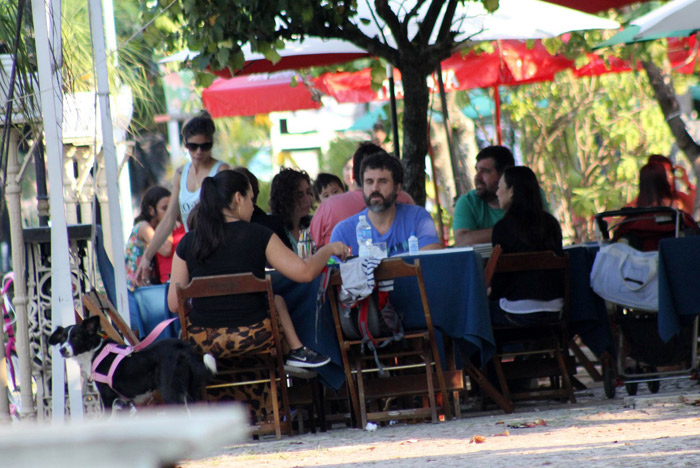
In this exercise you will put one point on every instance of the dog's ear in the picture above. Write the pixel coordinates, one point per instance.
(92, 324)
(57, 336)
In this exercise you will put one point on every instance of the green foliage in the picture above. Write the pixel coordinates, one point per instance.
(339, 151)
(239, 139)
(218, 28)
(26, 56)
(587, 145)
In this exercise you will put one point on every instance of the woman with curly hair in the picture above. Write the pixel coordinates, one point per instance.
(291, 199)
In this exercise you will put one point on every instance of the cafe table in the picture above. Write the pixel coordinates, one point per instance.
(588, 316)
(679, 291)
(454, 281)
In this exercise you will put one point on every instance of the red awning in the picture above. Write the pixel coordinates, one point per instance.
(257, 94)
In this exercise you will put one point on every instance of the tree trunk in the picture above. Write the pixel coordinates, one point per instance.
(666, 96)
(415, 125)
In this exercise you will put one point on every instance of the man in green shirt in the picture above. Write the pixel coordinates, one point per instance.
(477, 211)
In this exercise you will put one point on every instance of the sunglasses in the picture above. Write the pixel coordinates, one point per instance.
(203, 146)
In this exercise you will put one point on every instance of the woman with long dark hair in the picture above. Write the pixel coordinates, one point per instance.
(654, 189)
(153, 208)
(533, 296)
(684, 201)
(225, 242)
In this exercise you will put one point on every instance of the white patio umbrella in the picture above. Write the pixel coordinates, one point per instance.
(514, 19)
(313, 51)
(671, 19)
(678, 18)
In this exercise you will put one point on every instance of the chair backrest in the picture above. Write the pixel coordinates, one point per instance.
(490, 267)
(223, 285)
(392, 268)
(111, 322)
(388, 269)
(643, 228)
(537, 261)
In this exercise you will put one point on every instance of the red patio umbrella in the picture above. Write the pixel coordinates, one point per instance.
(512, 63)
(258, 94)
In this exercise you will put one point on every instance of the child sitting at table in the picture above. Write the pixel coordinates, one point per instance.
(326, 185)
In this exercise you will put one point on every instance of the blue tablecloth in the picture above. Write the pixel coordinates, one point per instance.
(588, 317)
(679, 293)
(454, 283)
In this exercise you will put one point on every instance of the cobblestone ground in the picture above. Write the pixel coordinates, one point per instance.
(646, 430)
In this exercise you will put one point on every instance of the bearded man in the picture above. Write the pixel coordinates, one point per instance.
(478, 211)
(391, 222)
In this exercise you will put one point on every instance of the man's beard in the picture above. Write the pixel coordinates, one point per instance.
(485, 194)
(385, 202)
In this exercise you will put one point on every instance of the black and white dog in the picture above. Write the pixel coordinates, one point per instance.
(170, 366)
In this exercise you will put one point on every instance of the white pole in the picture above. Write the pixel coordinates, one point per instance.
(123, 177)
(46, 30)
(109, 153)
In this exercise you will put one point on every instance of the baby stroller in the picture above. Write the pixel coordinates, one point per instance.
(640, 350)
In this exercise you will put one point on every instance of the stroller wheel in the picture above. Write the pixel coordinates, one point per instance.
(655, 385)
(631, 387)
(609, 381)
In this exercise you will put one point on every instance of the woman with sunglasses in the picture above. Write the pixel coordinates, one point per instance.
(198, 135)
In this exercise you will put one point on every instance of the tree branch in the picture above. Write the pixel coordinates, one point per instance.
(666, 96)
(387, 14)
(428, 23)
(444, 35)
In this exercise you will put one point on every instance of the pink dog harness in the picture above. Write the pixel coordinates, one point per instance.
(122, 352)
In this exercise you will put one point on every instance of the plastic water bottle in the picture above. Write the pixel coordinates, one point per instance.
(413, 244)
(364, 237)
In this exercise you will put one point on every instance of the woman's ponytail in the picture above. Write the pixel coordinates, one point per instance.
(209, 221)
(215, 195)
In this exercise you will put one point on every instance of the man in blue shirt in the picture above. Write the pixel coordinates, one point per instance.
(391, 222)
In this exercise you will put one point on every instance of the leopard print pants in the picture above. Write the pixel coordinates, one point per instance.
(229, 345)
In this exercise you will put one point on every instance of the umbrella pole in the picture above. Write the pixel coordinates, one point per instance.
(394, 118)
(497, 102)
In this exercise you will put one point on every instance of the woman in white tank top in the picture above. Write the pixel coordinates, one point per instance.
(198, 135)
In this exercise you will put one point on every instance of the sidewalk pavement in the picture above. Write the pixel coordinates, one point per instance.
(646, 430)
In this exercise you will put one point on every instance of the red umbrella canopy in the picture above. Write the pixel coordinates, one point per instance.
(512, 63)
(257, 94)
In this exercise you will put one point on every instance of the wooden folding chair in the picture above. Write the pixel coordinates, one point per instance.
(545, 345)
(111, 322)
(272, 361)
(357, 365)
